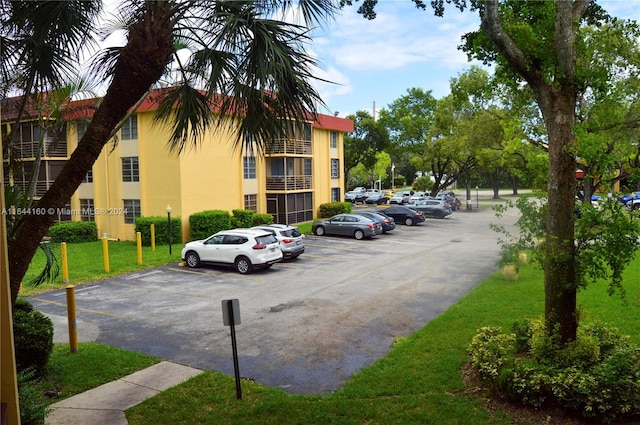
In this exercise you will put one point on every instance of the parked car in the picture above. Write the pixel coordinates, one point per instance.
(377, 198)
(244, 249)
(387, 223)
(358, 226)
(417, 196)
(400, 198)
(438, 208)
(389, 193)
(624, 199)
(451, 199)
(404, 214)
(289, 237)
(356, 195)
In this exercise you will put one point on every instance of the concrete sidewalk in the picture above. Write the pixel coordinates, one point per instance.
(106, 404)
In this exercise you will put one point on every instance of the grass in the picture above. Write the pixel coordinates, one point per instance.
(86, 263)
(91, 366)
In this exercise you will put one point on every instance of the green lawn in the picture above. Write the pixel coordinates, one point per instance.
(86, 263)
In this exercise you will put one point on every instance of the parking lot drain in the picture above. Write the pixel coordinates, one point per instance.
(455, 240)
(285, 306)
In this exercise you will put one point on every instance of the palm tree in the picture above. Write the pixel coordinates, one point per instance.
(245, 59)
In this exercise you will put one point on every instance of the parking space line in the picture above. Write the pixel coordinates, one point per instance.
(86, 310)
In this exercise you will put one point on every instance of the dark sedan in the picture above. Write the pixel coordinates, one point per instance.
(387, 223)
(358, 226)
(406, 215)
(377, 198)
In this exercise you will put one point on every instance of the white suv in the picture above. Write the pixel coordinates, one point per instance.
(244, 249)
(289, 237)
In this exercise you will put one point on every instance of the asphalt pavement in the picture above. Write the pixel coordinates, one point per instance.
(306, 325)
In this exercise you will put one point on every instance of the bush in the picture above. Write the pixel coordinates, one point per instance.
(161, 225)
(33, 337)
(595, 376)
(242, 218)
(206, 223)
(74, 231)
(33, 406)
(333, 208)
(260, 219)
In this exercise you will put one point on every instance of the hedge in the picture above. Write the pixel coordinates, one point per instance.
(74, 231)
(205, 223)
(333, 208)
(143, 225)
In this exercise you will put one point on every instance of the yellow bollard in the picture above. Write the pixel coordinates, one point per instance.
(139, 243)
(105, 254)
(65, 264)
(153, 237)
(71, 317)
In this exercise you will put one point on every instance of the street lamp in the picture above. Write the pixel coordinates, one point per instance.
(168, 209)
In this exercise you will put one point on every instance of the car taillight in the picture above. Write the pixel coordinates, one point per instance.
(259, 246)
(287, 241)
(371, 225)
(387, 221)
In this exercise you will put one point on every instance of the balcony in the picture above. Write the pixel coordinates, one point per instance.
(290, 147)
(289, 182)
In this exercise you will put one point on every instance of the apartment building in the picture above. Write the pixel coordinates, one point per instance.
(139, 176)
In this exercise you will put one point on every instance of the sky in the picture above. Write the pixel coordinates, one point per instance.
(372, 63)
(376, 62)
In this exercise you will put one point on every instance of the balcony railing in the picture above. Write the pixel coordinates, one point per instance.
(291, 147)
(30, 149)
(289, 183)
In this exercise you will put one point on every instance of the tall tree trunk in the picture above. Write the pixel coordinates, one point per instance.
(560, 274)
(141, 64)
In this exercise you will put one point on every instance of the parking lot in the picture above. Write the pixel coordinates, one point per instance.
(307, 324)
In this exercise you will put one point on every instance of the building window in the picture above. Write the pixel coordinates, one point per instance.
(249, 163)
(131, 210)
(307, 167)
(335, 168)
(88, 178)
(335, 194)
(129, 129)
(251, 203)
(87, 212)
(333, 141)
(130, 169)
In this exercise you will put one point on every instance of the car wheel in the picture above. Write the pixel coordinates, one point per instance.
(438, 215)
(408, 221)
(319, 231)
(358, 234)
(243, 265)
(192, 259)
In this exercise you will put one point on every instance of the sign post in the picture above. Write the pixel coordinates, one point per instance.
(231, 317)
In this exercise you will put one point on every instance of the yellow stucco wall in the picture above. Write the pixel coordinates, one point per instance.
(207, 177)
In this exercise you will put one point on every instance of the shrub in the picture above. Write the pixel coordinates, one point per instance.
(595, 376)
(260, 219)
(161, 229)
(74, 231)
(205, 223)
(241, 218)
(33, 406)
(333, 208)
(33, 337)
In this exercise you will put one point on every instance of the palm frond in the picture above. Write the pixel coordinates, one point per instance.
(51, 268)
